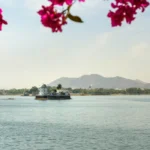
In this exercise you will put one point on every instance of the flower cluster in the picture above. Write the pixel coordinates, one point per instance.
(62, 2)
(126, 10)
(2, 21)
(52, 18)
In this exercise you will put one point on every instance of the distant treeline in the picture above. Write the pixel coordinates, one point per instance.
(11, 92)
(101, 91)
(98, 91)
(34, 90)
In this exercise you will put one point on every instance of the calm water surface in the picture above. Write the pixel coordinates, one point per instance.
(83, 123)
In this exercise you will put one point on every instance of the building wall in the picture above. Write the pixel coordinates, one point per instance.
(43, 91)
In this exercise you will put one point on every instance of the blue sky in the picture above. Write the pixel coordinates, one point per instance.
(32, 55)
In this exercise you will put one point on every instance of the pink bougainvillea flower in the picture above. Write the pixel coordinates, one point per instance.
(61, 2)
(51, 18)
(2, 21)
(126, 10)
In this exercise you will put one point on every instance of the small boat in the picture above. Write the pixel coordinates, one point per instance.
(10, 98)
(7, 99)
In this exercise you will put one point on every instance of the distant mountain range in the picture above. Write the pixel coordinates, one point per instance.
(98, 81)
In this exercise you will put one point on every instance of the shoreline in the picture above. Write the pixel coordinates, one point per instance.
(87, 95)
(113, 95)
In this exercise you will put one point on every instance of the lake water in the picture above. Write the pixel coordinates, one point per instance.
(83, 123)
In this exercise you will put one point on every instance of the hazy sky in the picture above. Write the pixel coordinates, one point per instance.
(31, 55)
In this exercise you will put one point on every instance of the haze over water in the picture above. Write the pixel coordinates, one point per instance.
(83, 123)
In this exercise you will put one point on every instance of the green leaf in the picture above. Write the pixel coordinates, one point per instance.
(75, 18)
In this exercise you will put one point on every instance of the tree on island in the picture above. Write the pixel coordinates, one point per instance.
(34, 90)
(44, 86)
(59, 87)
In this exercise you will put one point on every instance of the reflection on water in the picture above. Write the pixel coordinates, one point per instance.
(83, 123)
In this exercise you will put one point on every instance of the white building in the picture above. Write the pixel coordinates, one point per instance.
(43, 90)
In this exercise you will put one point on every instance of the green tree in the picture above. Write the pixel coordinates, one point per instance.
(44, 86)
(59, 86)
(34, 90)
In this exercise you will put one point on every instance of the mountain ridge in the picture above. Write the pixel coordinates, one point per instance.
(98, 81)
